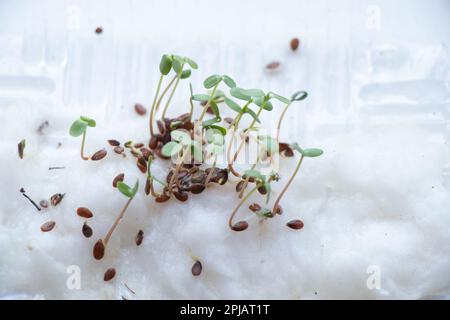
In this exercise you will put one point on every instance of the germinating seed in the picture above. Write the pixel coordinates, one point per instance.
(87, 231)
(84, 212)
(100, 154)
(109, 274)
(140, 109)
(48, 226)
(99, 250)
(118, 178)
(146, 153)
(113, 143)
(295, 224)
(196, 268)
(139, 237)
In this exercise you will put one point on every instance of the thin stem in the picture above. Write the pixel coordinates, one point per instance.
(170, 97)
(211, 98)
(116, 223)
(152, 110)
(208, 177)
(191, 110)
(177, 169)
(287, 185)
(164, 92)
(247, 179)
(230, 220)
(281, 119)
(83, 140)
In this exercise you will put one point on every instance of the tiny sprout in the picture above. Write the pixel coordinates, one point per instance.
(78, 128)
(309, 153)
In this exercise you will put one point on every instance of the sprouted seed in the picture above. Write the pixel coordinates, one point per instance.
(79, 128)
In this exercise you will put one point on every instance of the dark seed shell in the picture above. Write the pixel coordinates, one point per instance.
(197, 188)
(86, 230)
(161, 126)
(196, 268)
(254, 207)
(56, 198)
(140, 109)
(162, 198)
(153, 143)
(113, 143)
(278, 210)
(138, 145)
(295, 224)
(262, 190)
(288, 153)
(147, 187)
(43, 204)
(240, 226)
(240, 185)
(119, 149)
(109, 274)
(48, 226)
(142, 164)
(84, 212)
(118, 178)
(295, 42)
(139, 237)
(282, 146)
(100, 154)
(99, 250)
(181, 195)
(273, 65)
(146, 153)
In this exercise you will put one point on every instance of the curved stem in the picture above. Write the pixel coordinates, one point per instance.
(166, 89)
(116, 223)
(208, 177)
(230, 220)
(287, 185)
(281, 119)
(152, 110)
(177, 169)
(83, 140)
(170, 97)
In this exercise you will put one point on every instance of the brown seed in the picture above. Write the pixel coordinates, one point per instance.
(254, 207)
(100, 154)
(282, 146)
(240, 226)
(147, 187)
(139, 237)
(153, 142)
(84, 212)
(209, 110)
(140, 109)
(278, 209)
(240, 185)
(99, 250)
(295, 42)
(109, 274)
(197, 188)
(56, 198)
(146, 153)
(118, 178)
(43, 204)
(228, 120)
(181, 195)
(162, 198)
(113, 143)
(48, 226)
(21, 148)
(295, 224)
(288, 153)
(161, 127)
(87, 231)
(262, 190)
(273, 65)
(196, 268)
(141, 164)
(138, 145)
(98, 30)
(119, 149)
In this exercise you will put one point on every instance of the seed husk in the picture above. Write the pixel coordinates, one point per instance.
(113, 143)
(56, 198)
(109, 274)
(295, 224)
(100, 154)
(295, 42)
(240, 185)
(273, 65)
(142, 164)
(288, 153)
(262, 190)
(21, 148)
(84, 212)
(162, 198)
(140, 109)
(196, 268)
(119, 149)
(118, 178)
(161, 127)
(87, 230)
(254, 207)
(240, 226)
(197, 188)
(138, 145)
(48, 226)
(278, 210)
(139, 237)
(99, 250)
(181, 195)
(43, 204)
(146, 153)
(153, 143)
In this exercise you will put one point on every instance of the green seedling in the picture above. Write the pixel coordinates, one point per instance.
(79, 128)
(298, 96)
